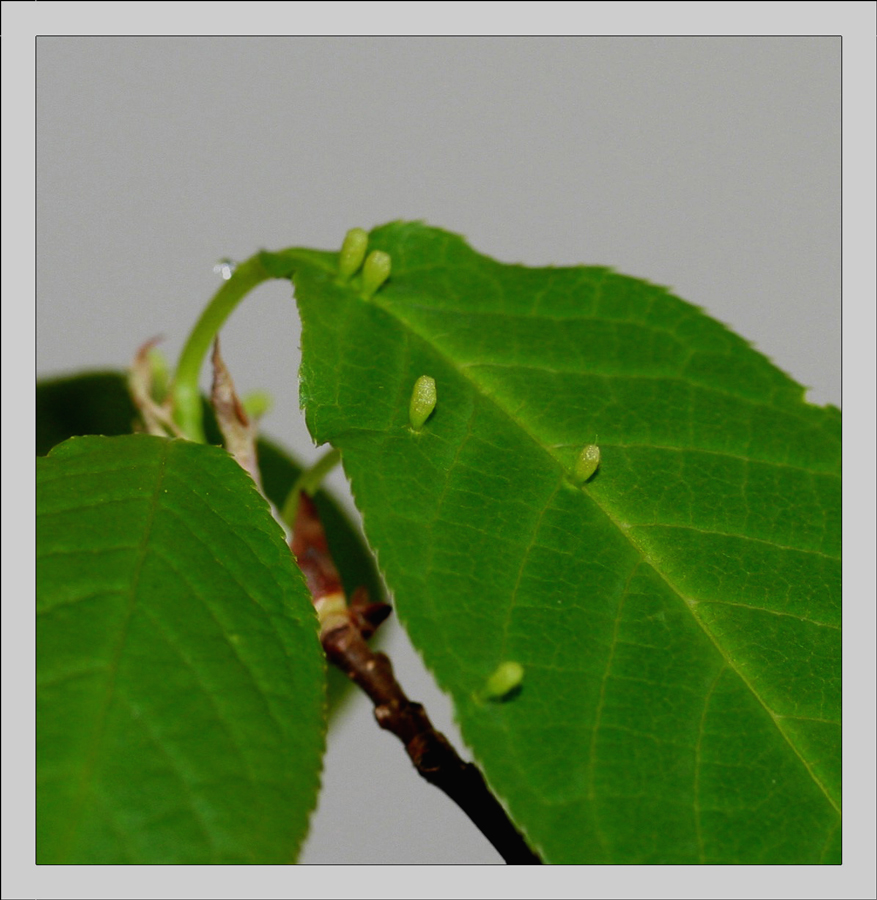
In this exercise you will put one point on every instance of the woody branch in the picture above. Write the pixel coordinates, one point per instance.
(344, 630)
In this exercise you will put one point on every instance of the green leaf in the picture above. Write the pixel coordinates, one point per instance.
(180, 682)
(98, 403)
(88, 403)
(676, 617)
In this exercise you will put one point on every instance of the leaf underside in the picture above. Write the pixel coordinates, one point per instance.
(180, 684)
(677, 617)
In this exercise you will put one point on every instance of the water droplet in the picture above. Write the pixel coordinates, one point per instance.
(224, 268)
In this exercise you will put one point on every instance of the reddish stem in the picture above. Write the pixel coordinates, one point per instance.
(343, 632)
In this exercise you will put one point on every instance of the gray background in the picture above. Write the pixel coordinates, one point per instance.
(710, 165)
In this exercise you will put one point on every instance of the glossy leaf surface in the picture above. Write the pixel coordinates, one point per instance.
(677, 616)
(180, 679)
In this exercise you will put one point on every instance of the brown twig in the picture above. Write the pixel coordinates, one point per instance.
(343, 633)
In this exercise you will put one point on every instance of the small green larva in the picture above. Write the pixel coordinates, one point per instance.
(375, 271)
(587, 463)
(503, 681)
(423, 400)
(352, 253)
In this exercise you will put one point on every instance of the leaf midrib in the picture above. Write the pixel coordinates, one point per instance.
(113, 668)
(688, 603)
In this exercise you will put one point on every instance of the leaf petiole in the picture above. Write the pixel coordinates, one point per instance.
(186, 395)
(309, 481)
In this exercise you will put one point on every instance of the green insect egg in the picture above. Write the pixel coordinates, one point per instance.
(586, 464)
(375, 271)
(423, 400)
(352, 252)
(505, 679)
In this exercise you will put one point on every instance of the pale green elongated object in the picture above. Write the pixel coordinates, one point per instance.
(507, 676)
(375, 271)
(423, 400)
(587, 463)
(352, 253)
(308, 481)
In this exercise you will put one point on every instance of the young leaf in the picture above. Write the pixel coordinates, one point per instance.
(678, 620)
(179, 676)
